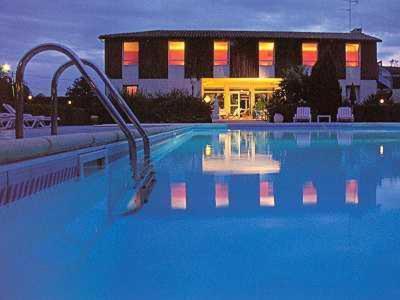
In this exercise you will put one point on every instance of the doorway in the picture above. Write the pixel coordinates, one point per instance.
(240, 104)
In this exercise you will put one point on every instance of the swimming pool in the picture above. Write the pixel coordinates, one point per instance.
(237, 212)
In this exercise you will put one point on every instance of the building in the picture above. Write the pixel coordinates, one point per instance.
(389, 80)
(237, 67)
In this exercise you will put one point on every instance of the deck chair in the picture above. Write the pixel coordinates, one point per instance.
(344, 114)
(7, 121)
(30, 121)
(303, 114)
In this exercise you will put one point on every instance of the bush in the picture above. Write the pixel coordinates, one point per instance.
(173, 107)
(376, 112)
(68, 114)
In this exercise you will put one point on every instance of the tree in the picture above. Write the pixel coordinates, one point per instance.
(81, 94)
(325, 91)
(294, 85)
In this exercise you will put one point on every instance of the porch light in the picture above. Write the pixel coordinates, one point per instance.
(207, 99)
(69, 102)
(6, 68)
(381, 101)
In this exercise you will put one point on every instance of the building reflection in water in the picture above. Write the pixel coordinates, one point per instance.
(309, 194)
(237, 155)
(352, 191)
(178, 195)
(230, 155)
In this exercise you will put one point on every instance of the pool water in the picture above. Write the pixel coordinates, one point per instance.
(234, 214)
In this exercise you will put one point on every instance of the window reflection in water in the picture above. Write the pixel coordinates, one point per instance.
(266, 193)
(178, 195)
(352, 191)
(309, 194)
(221, 194)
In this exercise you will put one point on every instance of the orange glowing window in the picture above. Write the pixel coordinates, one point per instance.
(178, 195)
(221, 50)
(352, 55)
(221, 195)
(266, 53)
(352, 191)
(131, 53)
(310, 54)
(266, 194)
(131, 90)
(176, 53)
(309, 194)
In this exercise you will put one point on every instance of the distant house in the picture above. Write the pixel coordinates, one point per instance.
(237, 67)
(389, 79)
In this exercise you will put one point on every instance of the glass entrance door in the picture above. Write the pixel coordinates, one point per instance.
(240, 104)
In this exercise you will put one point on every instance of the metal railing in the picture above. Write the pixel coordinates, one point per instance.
(107, 103)
(115, 97)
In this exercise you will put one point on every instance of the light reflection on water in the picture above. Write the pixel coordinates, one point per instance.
(233, 215)
(277, 169)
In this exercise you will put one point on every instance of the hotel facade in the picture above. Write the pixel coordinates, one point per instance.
(237, 67)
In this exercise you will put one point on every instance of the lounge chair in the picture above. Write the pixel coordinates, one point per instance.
(30, 121)
(7, 121)
(303, 114)
(344, 114)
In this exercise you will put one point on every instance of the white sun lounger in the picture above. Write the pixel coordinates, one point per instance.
(302, 114)
(30, 121)
(344, 114)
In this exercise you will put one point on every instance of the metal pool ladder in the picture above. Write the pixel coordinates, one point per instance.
(112, 101)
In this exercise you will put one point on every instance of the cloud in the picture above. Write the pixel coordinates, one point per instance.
(25, 23)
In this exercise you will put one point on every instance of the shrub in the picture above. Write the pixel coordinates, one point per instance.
(173, 107)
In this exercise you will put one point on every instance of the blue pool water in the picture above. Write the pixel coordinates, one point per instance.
(234, 214)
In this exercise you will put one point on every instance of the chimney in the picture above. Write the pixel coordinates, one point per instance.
(357, 30)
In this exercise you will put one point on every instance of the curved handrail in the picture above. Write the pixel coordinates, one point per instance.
(116, 97)
(19, 129)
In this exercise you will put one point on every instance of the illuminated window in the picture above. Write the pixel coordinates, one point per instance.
(131, 89)
(131, 53)
(176, 53)
(352, 55)
(310, 54)
(221, 50)
(266, 53)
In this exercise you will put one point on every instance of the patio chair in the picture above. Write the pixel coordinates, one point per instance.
(303, 114)
(30, 121)
(344, 114)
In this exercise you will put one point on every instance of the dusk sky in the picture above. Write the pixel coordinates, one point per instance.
(26, 23)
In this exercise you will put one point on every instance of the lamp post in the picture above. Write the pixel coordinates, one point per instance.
(6, 69)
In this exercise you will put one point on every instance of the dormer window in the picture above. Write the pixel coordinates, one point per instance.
(221, 56)
(266, 53)
(176, 53)
(310, 54)
(352, 55)
(131, 53)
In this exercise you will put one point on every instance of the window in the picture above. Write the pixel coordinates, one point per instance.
(310, 54)
(131, 90)
(131, 53)
(221, 53)
(352, 55)
(176, 53)
(266, 53)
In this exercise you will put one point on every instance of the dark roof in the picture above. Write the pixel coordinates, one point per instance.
(227, 34)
